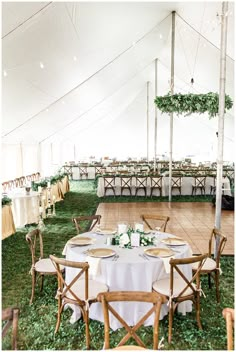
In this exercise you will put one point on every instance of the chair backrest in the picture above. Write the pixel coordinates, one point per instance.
(141, 181)
(10, 316)
(80, 220)
(33, 237)
(109, 181)
(200, 181)
(131, 296)
(219, 240)
(65, 290)
(156, 181)
(228, 314)
(126, 181)
(175, 268)
(157, 222)
(176, 181)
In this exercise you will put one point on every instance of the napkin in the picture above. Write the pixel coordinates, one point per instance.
(94, 266)
(167, 264)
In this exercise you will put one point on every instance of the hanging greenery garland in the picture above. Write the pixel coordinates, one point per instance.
(192, 103)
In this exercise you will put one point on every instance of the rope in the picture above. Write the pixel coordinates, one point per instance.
(199, 39)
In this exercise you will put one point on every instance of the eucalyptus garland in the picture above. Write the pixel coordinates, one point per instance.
(191, 103)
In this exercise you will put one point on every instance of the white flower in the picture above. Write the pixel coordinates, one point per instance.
(124, 239)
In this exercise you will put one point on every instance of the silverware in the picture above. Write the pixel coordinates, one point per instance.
(143, 256)
(116, 256)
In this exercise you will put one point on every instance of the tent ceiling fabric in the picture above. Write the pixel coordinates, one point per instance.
(73, 69)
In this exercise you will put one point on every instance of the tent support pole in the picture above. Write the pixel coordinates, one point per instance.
(148, 121)
(172, 91)
(155, 131)
(21, 161)
(223, 45)
(39, 158)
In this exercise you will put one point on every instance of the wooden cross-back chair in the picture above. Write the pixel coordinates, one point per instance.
(156, 184)
(199, 183)
(211, 266)
(99, 170)
(106, 298)
(155, 222)
(126, 184)
(40, 266)
(228, 314)
(10, 316)
(79, 291)
(178, 288)
(176, 183)
(141, 185)
(83, 171)
(109, 184)
(92, 219)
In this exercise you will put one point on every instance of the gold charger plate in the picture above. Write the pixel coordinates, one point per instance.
(106, 231)
(81, 241)
(101, 252)
(174, 241)
(159, 252)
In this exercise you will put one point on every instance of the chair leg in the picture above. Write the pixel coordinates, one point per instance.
(86, 320)
(60, 307)
(198, 311)
(209, 280)
(33, 286)
(171, 314)
(41, 282)
(217, 286)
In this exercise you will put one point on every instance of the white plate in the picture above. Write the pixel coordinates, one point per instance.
(101, 252)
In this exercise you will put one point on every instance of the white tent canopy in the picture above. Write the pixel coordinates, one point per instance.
(74, 80)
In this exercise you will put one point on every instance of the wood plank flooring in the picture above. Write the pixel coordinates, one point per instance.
(191, 221)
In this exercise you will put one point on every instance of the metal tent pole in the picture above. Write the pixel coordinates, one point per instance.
(148, 121)
(172, 91)
(155, 131)
(223, 44)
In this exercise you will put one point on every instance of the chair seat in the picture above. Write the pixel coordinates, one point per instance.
(95, 288)
(45, 266)
(209, 264)
(163, 287)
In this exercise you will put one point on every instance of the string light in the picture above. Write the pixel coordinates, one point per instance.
(160, 36)
(63, 102)
(75, 58)
(47, 110)
(41, 65)
(5, 73)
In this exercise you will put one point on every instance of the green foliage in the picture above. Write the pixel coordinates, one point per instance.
(53, 180)
(191, 103)
(6, 201)
(37, 321)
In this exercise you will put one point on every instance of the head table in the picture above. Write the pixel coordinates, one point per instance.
(128, 271)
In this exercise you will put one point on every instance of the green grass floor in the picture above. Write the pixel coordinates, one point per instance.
(37, 322)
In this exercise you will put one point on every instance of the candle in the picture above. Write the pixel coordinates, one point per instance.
(39, 189)
(122, 228)
(49, 184)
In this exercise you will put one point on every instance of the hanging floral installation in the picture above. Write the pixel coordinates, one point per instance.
(191, 103)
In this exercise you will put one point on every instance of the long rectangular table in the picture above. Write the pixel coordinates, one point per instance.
(186, 188)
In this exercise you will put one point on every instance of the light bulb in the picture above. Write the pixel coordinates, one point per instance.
(74, 58)
(5, 73)
(41, 65)
(160, 36)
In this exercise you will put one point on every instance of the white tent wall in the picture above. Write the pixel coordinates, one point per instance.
(77, 75)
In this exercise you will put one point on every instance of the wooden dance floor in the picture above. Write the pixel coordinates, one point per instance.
(191, 221)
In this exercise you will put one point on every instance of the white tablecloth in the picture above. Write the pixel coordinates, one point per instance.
(130, 272)
(25, 208)
(186, 188)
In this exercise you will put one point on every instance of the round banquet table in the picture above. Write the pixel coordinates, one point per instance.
(130, 272)
(25, 208)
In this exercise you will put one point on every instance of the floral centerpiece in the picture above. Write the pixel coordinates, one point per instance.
(124, 239)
